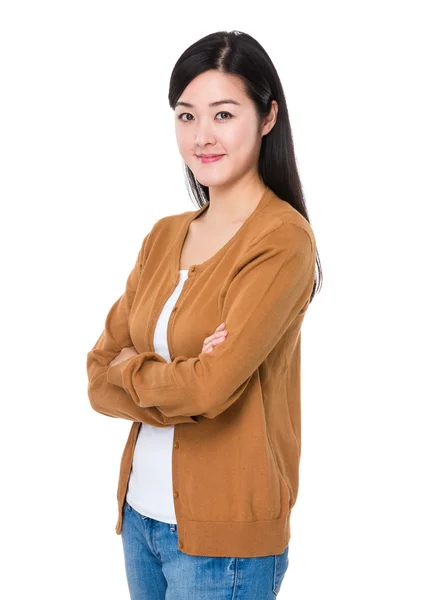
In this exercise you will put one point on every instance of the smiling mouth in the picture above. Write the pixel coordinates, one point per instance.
(210, 158)
(208, 155)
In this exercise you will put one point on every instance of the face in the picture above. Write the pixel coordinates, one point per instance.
(228, 129)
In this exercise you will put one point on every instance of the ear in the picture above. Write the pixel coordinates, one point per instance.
(270, 120)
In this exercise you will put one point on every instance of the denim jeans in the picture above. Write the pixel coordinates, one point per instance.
(157, 570)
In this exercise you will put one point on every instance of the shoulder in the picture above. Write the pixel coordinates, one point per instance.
(171, 222)
(282, 226)
(164, 230)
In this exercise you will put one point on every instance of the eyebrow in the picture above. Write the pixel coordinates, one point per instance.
(217, 103)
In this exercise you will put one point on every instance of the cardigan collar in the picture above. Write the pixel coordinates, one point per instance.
(179, 241)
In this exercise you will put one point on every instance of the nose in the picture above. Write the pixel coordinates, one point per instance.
(204, 134)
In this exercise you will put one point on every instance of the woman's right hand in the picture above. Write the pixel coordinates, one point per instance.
(216, 338)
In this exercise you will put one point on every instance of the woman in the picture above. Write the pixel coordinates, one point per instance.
(202, 350)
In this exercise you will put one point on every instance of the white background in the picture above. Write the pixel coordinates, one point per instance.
(89, 162)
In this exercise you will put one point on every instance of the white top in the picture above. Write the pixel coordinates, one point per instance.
(150, 489)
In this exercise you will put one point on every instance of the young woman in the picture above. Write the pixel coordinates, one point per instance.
(202, 350)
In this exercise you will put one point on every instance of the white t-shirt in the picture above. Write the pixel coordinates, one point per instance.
(150, 489)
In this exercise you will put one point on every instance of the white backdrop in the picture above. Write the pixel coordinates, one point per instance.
(89, 162)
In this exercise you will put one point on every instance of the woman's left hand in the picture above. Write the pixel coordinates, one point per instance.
(124, 354)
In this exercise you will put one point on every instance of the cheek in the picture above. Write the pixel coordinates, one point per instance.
(239, 138)
(187, 148)
(182, 140)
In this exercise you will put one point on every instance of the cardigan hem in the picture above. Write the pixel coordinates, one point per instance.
(241, 539)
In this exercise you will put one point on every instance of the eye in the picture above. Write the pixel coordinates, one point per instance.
(180, 116)
(222, 112)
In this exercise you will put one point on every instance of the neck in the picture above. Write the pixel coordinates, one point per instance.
(234, 203)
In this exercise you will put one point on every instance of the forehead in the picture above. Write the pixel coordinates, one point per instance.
(211, 87)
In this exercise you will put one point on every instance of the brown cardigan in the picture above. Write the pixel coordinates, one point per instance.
(236, 410)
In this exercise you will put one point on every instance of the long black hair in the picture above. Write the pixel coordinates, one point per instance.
(240, 54)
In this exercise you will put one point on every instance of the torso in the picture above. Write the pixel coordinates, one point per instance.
(202, 242)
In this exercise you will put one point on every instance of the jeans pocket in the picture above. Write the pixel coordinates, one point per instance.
(280, 566)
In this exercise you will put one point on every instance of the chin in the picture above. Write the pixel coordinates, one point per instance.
(212, 183)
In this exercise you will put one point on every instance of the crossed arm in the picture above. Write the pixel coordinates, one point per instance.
(272, 285)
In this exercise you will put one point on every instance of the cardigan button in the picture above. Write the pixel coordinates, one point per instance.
(180, 545)
(175, 494)
(176, 444)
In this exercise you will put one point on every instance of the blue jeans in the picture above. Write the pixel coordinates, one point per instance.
(157, 570)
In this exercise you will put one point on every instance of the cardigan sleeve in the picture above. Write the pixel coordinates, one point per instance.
(109, 399)
(271, 286)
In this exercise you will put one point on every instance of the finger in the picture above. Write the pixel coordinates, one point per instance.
(206, 347)
(215, 336)
(220, 328)
(213, 342)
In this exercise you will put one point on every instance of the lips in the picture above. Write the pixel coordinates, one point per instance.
(209, 158)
